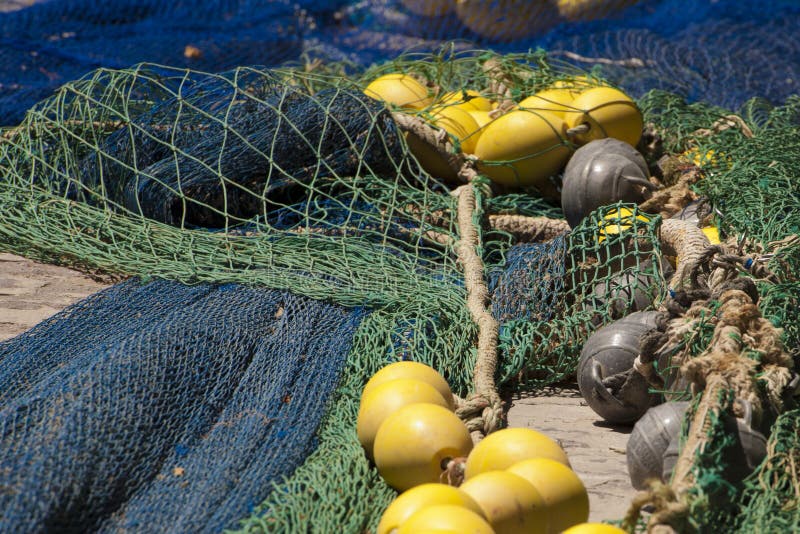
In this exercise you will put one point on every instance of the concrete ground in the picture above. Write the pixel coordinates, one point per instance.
(31, 292)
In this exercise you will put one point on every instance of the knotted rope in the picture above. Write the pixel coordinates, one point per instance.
(723, 367)
(482, 411)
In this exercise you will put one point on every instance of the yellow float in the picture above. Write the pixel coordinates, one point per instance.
(523, 148)
(400, 90)
(386, 399)
(419, 497)
(468, 100)
(458, 122)
(414, 444)
(510, 503)
(563, 493)
(594, 528)
(557, 101)
(502, 449)
(446, 518)
(415, 371)
(607, 112)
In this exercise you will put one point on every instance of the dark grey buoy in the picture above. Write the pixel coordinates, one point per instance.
(602, 172)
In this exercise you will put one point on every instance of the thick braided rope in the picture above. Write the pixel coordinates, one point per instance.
(482, 410)
(722, 367)
(685, 241)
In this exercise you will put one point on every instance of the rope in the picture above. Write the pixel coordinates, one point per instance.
(500, 86)
(482, 411)
(724, 366)
(688, 243)
(529, 229)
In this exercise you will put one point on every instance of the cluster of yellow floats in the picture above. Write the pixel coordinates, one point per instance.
(526, 144)
(514, 19)
(516, 480)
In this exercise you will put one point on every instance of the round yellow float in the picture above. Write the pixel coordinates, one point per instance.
(447, 518)
(414, 444)
(557, 101)
(617, 221)
(386, 399)
(413, 370)
(563, 493)
(594, 528)
(608, 112)
(459, 123)
(419, 497)
(482, 118)
(510, 503)
(468, 100)
(502, 449)
(399, 90)
(523, 148)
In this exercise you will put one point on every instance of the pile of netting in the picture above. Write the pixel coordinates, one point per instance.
(720, 51)
(299, 246)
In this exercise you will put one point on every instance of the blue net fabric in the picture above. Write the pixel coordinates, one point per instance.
(161, 406)
(530, 285)
(721, 51)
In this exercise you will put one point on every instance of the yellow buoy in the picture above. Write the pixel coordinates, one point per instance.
(506, 20)
(593, 528)
(586, 10)
(468, 100)
(400, 90)
(419, 497)
(458, 123)
(712, 233)
(414, 370)
(386, 399)
(429, 8)
(502, 449)
(617, 221)
(607, 112)
(481, 117)
(523, 148)
(563, 493)
(414, 444)
(576, 83)
(511, 504)
(429, 159)
(557, 101)
(447, 518)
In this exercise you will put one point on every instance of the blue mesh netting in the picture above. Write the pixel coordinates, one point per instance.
(163, 406)
(723, 51)
(530, 284)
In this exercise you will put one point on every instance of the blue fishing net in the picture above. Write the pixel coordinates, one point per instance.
(722, 51)
(163, 407)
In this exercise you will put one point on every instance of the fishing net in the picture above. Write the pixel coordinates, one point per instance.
(287, 242)
(163, 404)
(720, 51)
